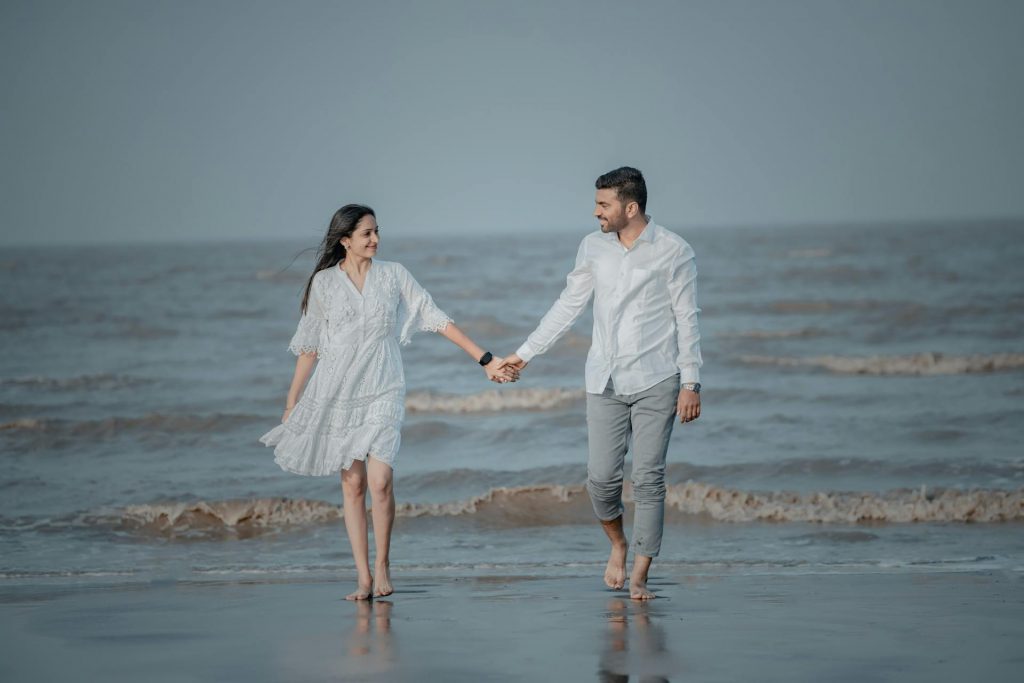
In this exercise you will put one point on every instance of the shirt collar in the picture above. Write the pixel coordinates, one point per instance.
(648, 234)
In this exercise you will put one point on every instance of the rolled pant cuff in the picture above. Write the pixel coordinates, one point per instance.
(638, 549)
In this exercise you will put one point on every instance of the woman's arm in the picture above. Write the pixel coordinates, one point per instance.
(495, 371)
(303, 368)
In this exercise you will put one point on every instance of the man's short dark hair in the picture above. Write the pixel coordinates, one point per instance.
(628, 184)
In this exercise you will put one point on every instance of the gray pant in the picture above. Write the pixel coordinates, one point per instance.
(612, 419)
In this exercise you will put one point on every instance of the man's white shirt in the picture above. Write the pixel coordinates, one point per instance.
(645, 310)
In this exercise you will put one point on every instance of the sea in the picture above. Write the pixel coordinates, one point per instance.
(863, 411)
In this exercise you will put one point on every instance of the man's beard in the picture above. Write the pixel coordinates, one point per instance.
(615, 226)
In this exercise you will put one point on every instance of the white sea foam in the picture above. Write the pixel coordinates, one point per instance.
(494, 400)
(556, 504)
(914, 364)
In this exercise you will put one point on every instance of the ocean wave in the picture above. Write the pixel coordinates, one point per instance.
(489, 327)
(112, 426)
(801, 333)
(494, 400)
(426, 431)
(844, 507)
(921, 470)
(914, 364)
(557, 504)
(214, 518)
(836, 274)
(104, 382)
(809, 253)
(962, 470)
(292, 276)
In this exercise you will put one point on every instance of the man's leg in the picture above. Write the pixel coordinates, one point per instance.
(608, 430)
(652, 416)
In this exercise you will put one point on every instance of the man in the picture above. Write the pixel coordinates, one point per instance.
(643, 366)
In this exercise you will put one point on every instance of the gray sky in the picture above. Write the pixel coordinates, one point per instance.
(178, 120)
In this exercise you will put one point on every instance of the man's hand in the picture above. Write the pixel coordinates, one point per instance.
(688, 406)
(499, 370)
(512, 360)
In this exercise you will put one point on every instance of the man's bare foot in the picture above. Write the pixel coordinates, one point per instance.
(638, 586)
(382, 586)
(615, 572)
(362, 591)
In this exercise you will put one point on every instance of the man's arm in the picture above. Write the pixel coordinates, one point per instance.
(579, 285)
(682, 285)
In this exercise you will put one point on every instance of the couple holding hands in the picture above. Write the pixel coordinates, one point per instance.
(346, 402)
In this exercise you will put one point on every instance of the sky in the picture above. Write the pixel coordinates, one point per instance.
(220, 120)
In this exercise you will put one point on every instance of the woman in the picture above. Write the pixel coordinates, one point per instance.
(355, 312)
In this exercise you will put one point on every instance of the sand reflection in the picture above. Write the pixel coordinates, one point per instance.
(371, 644)
(635, 644)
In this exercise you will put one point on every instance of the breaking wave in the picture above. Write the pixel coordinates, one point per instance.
(915, 364)
(844, 507)
(492, 401)
(554, 505)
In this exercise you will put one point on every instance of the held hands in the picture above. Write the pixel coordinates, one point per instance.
(688, 406)
(509, 367)
(499, 371)
(514, 361)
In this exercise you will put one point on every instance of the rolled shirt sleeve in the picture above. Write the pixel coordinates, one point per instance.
(579, 286)
(682, 285)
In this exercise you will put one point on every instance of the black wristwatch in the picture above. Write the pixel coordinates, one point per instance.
(486, 358)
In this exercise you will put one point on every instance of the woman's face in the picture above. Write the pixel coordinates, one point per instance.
(365, 239)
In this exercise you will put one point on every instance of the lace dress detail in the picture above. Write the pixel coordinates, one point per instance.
(354, 403)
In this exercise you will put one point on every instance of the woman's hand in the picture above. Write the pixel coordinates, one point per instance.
(498, 372)
(287, 412)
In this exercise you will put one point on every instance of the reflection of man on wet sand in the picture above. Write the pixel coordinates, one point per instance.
(643, 365)
(647, 657)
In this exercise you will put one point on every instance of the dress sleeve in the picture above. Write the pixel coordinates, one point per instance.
(307, 338)
(418, 311)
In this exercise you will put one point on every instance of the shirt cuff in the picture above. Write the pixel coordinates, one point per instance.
(688, 374)
(525, 352)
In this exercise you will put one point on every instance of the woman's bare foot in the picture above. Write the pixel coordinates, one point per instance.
(615, 572)
(638, 586)
(382, 586)
(362, 591)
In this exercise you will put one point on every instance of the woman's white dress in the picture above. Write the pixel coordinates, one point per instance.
(354, 403)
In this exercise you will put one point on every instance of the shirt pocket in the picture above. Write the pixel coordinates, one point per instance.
(642, 278)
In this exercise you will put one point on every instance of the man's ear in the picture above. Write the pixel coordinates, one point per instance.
(632, 209)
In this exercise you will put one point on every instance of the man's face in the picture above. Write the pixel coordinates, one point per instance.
(609, 211)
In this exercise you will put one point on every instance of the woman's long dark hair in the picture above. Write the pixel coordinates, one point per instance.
(331, 252)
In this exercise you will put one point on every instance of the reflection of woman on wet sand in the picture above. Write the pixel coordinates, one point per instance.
(365, 638)
(348, 418)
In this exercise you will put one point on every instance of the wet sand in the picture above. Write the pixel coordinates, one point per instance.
(779, 627)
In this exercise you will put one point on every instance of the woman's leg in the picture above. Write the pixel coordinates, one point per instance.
(353, 488)
(382, 495)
